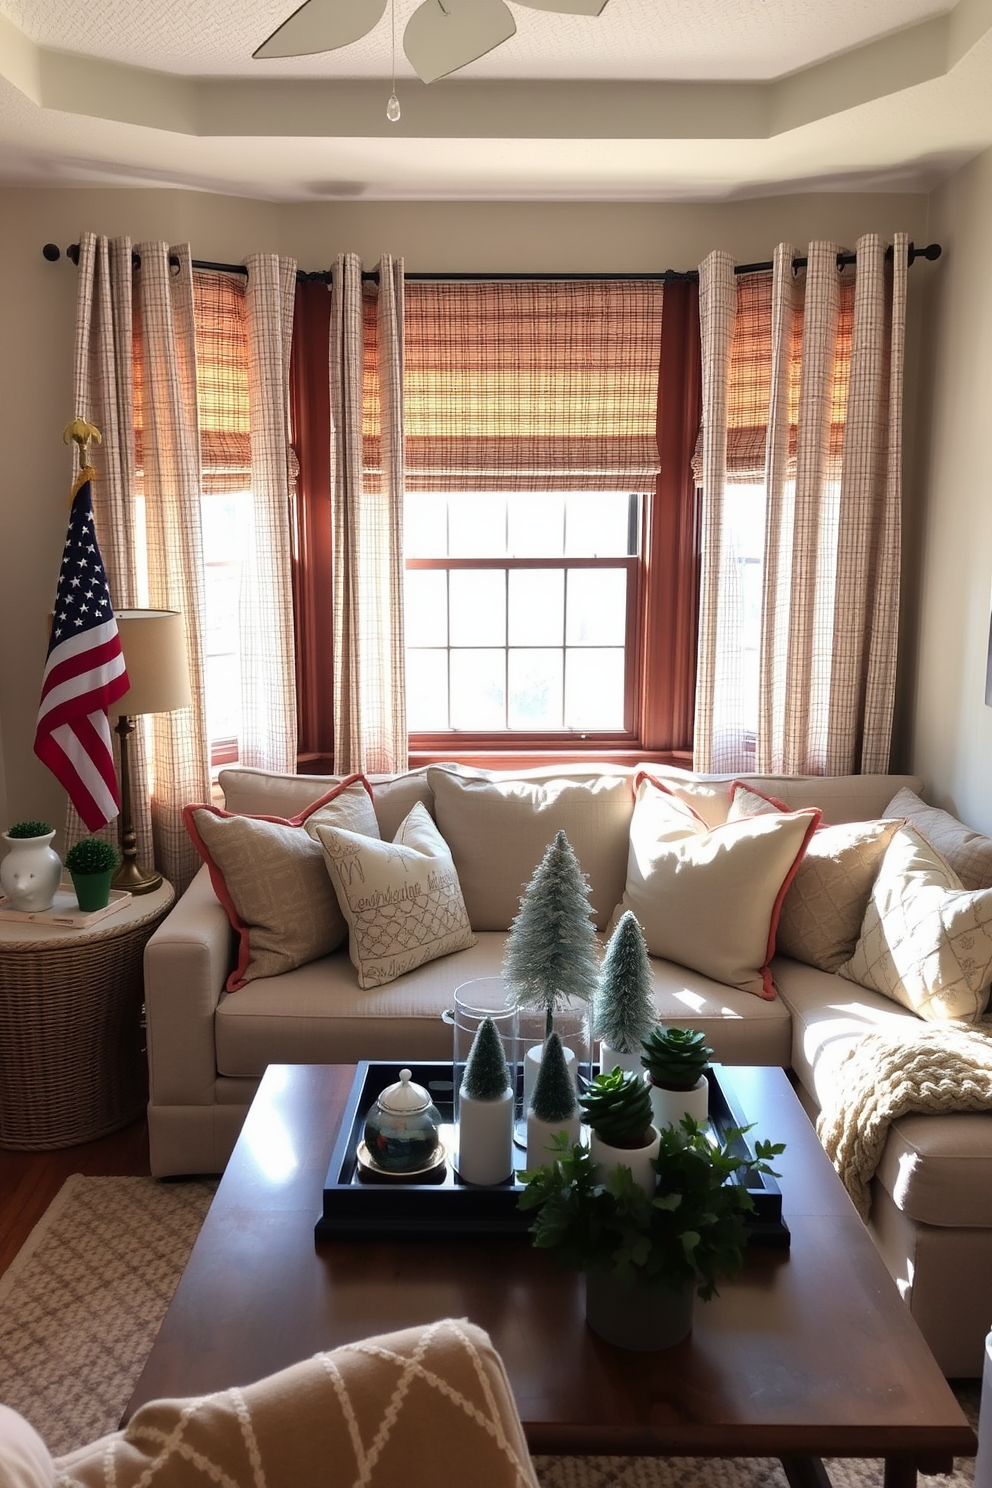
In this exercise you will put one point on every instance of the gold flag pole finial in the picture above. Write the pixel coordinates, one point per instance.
(81, 433)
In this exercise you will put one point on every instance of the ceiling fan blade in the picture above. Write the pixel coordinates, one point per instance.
(443, 35)
(321, 26)
(567, 7)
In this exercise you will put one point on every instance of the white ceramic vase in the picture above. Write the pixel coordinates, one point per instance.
(610, 1058)
(541, 1134)
(669, 1106)
(31, 872)
(637, 1159)
(485, 1138)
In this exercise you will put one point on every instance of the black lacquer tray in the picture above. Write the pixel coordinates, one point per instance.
(354, 1208)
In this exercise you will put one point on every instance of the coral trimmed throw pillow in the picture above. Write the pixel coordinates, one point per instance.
(709, 898)
(401, 899)
(926, 942)
(268, 872)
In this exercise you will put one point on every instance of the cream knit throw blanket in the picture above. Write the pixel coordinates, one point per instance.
(884, 1076)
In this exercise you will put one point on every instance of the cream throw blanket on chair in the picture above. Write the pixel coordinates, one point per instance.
(933, 1069)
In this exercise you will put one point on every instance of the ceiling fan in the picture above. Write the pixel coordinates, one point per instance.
(440, 36)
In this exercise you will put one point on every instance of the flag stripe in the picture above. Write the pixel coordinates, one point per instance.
(84, 674)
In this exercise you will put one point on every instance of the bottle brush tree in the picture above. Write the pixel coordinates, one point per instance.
(487, 1074)
(623, 1005)
(554, 1094)
(551, 948)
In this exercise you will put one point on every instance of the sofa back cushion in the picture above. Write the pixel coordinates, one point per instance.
(498, 826)
(841, 798)
(270, 793)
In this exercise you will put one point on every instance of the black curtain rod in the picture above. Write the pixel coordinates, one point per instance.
(53, 253)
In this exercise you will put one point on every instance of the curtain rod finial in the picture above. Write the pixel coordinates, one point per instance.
(52, 252)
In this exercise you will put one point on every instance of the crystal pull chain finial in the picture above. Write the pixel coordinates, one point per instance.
(393, 106)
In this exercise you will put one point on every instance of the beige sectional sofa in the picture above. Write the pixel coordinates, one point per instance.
(931, 1212)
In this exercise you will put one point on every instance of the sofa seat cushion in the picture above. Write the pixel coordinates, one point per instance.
(498, 827)
(938, 1169)
(828, 1015)
(739, 1027)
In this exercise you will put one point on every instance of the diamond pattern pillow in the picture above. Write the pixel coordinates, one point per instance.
(967, 852)
(925, 942)
(268, 872)
(401, 899)
(826, 901)
(709, 898)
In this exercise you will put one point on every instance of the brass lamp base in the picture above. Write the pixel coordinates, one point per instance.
(129, 875)
(134, 879)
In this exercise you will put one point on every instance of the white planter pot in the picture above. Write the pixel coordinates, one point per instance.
(31, 872)
(637, 1159)
(610, 1058)
(637, 1316)
(485, 1138)
(669, 1106)
(540, 1135)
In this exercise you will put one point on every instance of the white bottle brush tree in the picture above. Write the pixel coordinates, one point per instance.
(623, 1005)
(551, 948)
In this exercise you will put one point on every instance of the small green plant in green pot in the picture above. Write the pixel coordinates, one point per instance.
(648, 1255)
(617, 1108)
(675, 1060)
(91, 863)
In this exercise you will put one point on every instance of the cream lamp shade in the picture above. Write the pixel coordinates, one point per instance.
(154, 646)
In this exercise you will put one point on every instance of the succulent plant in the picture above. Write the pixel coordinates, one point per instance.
(675, 1057)
(29, 829)
(487, 1074)
(554, 1094)
(92, 855)
(617, 1106)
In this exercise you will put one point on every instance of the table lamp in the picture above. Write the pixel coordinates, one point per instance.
(154, 646)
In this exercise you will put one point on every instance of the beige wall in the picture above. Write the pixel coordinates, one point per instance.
(36, 330)
(950, 726)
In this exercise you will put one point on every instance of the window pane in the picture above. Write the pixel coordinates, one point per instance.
(535, 524)
(535, 689)
(477, 526)
(537, 606)
(478, 606)
(427, 690)
(594, 688)
(596, 611)
(223, 697)
(596, 524)
(426, 607)
(425, 525)
(478, 689)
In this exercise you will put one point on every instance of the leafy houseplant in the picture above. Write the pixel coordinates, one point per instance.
(642, 1250)
(24, 829)
(91, 862)
(623, 1005)
(676, 1061)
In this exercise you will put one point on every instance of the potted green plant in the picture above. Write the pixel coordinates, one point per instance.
(91, 863)
(648, 1255)
(31, 871)
(675, 1061)
(617, 1109)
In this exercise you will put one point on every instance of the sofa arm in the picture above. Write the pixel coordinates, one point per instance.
(187, 962)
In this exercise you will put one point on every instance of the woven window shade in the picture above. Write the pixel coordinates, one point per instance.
(544, 386)
(749, 387)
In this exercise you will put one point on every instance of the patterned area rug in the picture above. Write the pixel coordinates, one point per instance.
(80, 1307)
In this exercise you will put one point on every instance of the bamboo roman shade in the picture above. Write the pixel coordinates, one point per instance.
(533, 385)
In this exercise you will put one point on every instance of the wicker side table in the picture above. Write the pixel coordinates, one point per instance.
(72, 1060)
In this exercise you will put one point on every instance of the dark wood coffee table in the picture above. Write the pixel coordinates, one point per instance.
(811, 1353)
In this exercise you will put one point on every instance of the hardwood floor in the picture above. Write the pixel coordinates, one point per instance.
(29, 1181)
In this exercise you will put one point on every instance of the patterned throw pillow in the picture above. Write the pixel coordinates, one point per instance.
(709, 898)
(968, 853)
(268, 872)
(925, 942)
(826, 901)
(401, 899)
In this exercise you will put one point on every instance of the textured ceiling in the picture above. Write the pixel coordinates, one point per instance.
(652, 100)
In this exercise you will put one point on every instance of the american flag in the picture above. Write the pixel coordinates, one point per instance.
(84, 674)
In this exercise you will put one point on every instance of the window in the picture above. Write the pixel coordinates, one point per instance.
(521, 612)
